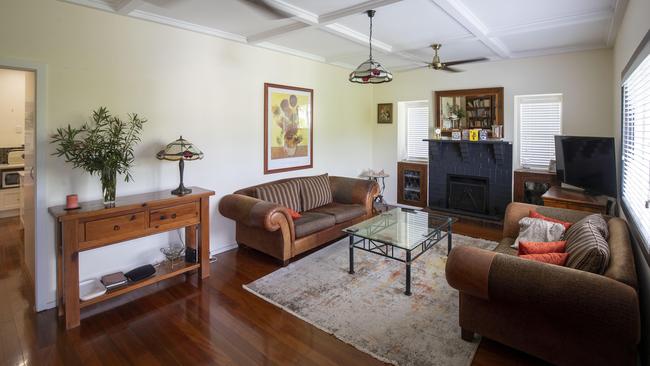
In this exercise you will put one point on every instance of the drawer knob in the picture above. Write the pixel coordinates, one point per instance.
(116, 227)
(162, 217)
(132, 217)
(173, 216)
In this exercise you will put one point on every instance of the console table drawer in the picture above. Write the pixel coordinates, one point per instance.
(174, 214)
(119, 225)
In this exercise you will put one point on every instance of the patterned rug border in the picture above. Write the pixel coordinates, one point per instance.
(342, 339)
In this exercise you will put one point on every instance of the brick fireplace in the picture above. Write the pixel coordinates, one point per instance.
(471, 178)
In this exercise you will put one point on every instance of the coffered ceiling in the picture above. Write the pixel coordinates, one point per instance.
(336, 31)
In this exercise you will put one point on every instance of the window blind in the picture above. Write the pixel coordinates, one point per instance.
(540, 119)
(635, 174)
(417, 129)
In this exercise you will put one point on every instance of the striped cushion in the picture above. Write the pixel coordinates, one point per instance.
(286, 194)
(315, 191)
(588, 250)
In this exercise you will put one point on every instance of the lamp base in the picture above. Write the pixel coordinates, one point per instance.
(181, 191)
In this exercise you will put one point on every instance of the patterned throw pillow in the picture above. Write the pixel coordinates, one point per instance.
(534, 214)
(551, 258)
(538, 230)
(587, 247)
(315, 191)
(531, 247)
(286, 194)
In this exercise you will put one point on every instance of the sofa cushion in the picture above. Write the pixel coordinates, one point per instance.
(596, 220)
(588, 250)
(342, 212)
(538, 230)
(551, 258)
(531, 247)
(536, 215)
(311, 222)
(315, 191)
(286, 194)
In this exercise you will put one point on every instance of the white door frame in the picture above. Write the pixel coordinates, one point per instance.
(41, 220)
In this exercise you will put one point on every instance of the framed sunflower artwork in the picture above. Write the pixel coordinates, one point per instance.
(288, 128)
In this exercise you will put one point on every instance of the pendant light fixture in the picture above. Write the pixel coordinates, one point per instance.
(370, 71)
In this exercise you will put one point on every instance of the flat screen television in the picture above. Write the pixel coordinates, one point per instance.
(587, 162)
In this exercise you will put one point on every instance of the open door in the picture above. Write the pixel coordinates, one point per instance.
(28, 202)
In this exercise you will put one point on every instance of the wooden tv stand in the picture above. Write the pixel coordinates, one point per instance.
(560, 197)
(93, 226)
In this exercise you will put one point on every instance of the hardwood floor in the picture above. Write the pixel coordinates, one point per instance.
(180, 322)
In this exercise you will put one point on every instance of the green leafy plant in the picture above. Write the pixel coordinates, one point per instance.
(455, 111)
(103, 146)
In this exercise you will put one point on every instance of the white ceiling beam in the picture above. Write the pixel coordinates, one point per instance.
(291, 51)
(466, 18)
(552, 23)
(356, 37)
(127, 6)
(299, 14)
(615, 24)
(354, 9)
(556, 50)
(276, 32)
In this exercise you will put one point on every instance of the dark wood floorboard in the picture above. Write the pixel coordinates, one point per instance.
(182, 322)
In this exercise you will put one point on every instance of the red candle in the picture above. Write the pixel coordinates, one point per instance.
(71, 201)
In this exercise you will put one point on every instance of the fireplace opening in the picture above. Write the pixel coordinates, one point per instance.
(467, 193)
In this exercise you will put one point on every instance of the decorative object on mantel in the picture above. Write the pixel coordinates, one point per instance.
(473, 134)
(370, 71)
(288, 128)
(465, 134)
(438, 134)
(455, 135)
(480, 108)
(483, 135)
(180, 150)
(385, 113)
(103, 147)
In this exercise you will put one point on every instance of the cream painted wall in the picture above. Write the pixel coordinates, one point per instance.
(207, 89)
(12, 108)
(584, 79)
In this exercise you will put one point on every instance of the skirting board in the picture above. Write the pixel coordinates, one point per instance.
(223, 249)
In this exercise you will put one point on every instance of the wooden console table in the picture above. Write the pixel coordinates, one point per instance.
(575, 200)
(93, 226)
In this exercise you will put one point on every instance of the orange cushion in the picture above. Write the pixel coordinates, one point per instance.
(535, 215)
(532, 247)
(551, 258)
(294, 214)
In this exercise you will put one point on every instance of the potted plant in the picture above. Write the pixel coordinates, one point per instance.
(103, 146)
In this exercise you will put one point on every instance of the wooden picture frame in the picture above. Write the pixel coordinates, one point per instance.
(288, 128)
(385, 113)
(493, 108)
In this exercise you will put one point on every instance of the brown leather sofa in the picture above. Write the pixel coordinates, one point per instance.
(269, 228)
(559, 314)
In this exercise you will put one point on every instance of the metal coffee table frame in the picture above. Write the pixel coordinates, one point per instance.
(387, 249)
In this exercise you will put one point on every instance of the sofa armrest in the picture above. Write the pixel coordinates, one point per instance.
(354, 190)
(254, 212)
(515, 212)
(559, 294)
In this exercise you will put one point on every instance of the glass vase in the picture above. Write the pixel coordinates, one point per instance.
(109, 183)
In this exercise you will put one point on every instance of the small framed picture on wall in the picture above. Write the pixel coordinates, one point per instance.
(385, 113)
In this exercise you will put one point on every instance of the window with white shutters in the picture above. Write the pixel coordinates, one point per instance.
(417, 129)
(540, 119)
(635, 140)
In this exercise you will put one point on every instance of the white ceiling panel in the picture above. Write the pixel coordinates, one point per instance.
(230, 16)
(318, 42)
(321, 7)
(503, 13)
(579, 35)
(336, 31)
(408, 24)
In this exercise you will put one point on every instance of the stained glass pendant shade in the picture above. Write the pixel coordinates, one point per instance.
(370, 71)
(180, 150)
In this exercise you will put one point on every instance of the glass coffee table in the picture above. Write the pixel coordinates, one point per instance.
(400, 234)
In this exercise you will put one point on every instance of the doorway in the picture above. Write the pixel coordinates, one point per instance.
(17, 167)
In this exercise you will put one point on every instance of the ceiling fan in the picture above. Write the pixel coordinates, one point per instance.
(437, 65)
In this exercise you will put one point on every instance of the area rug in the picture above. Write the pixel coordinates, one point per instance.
(369, 310)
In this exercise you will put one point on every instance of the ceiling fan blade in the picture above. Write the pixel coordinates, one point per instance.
(450, 69)
(465, 61)
(267, 8)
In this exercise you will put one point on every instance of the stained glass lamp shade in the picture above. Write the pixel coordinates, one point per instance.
(180, 150)
(370, 71)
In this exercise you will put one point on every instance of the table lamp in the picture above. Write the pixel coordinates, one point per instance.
(180, 150)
